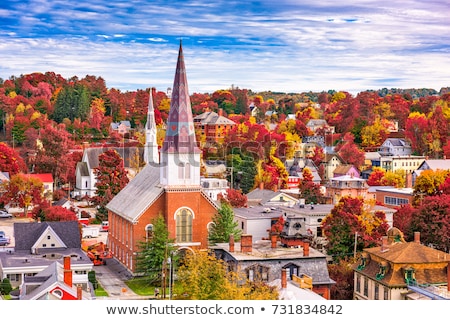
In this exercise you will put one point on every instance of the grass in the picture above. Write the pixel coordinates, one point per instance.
(141, 286)
(100, 292)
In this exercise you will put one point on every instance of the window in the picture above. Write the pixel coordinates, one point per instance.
(184, 225)
(377, 291)
(358, 283)
(366, 286)
(13, 277)
(386, 294)
(258, 272)
(148, 231)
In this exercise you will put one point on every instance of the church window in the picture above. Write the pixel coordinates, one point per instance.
(184, 225)
(149, 231)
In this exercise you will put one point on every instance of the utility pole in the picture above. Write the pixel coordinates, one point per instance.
(354, 249)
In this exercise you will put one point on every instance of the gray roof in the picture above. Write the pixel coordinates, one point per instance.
(261, 195)
(26, 234)
(83, 169)
(138, 194)
(125, 153)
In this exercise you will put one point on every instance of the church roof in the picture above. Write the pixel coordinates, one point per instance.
(180, 133)
(138, 194)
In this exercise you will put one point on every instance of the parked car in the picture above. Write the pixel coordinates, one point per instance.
(4, 240)
(5, 214)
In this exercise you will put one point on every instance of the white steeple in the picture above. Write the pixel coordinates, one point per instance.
(151, 154)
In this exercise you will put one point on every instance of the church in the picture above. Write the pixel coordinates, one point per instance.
(169, 184)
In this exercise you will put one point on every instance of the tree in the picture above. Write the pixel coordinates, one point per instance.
(429, 181)
(5, 286)
(23, 191)
(59, 214)
(349, 151)
(234, 198)
(154, 250)
(403, 219)
(351, 220)
(10, 160)
(342, 272)
(205, 277)
(224, 225)
(433, 221)
(111, 178)
(308, 189)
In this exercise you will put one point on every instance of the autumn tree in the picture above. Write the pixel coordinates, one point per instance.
(235, 198)
(433, 221)
(56, 213)
(308, 189)
(349, 151)
(351, 220)
(403, 219)
(154, 251)
(111, 178)
(10, 160)
(428, 182)
(342, 272)
(416, 132)
(224, 225)
(22, 191)
(202, 276)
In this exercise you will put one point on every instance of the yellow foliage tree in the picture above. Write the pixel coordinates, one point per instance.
(204, 277)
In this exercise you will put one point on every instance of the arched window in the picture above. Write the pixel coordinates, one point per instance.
(184, 225)
(148, 231)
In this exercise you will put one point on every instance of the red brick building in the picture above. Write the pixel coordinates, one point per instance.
(171, 187)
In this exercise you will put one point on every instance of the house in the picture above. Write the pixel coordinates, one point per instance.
(212, 126)
(38, 245)
(405, 163)
(172, 189)
(344, 186)
(295, 169)
(330, 162)
(84, 172)
(261, 196)
(346, 170)
(392, 197)
(399, 270)
(430, 164)
(395, 147)
(214, 186)
(55, 283)
(122, 127)
(297, 288)
(267, 260)
(47, 181)
(314, 124)
(258, 219)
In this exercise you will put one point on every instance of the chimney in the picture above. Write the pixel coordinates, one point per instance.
(306, 249)
(231, 243)
(246, 243)
(220, 112)
(384, 244)
(408, 180)
(67, 271)
(261, 186)
(283, 278)
(273, 241)
(417, 237)
(79, 292)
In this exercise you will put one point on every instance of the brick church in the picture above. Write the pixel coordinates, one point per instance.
(169, 184)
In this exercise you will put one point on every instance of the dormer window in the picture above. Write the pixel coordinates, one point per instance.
(410, 276)
(382, 271)
(363, 262)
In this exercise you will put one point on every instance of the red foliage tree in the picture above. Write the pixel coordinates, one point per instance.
(10, 160)
(349, 151)
(403, 218)
(432, 220)
(235, 198)
(57, 213)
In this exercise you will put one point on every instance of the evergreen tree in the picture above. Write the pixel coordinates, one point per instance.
(154, 251)
(224, 225)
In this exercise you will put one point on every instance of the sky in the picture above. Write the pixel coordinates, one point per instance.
(287, 46)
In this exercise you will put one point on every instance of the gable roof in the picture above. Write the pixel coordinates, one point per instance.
(344, 169)
(211, 117)
(91, 156)
(26, 234)
(138, 194)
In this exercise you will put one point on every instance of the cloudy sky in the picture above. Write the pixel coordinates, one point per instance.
(277, 45)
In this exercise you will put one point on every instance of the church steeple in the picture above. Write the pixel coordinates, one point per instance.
(180, 154)
(151, 154)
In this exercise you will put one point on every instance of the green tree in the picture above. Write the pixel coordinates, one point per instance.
(224, 225)
(5, 286)
(154, 251)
